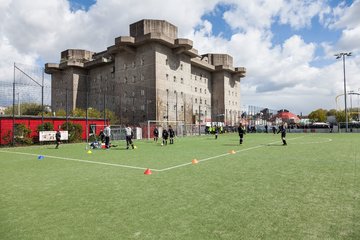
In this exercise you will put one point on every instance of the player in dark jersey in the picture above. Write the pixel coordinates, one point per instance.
(282, 129)
(242, 132)
(171, 134)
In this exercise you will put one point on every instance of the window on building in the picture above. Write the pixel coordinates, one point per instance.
(200, 101)
(142, 77)
(125, 66)
(200, 90)
(174, 78)
(205, 101)
(181, 66)
(174, 107)
(182, 80)
(142, 92)
(204, 91)
(134, 79)
(196, 112)
(195, 89)
(195, 100)
(167, 62)
(182, 108)
(142, 107)
(142, 61)
(167, 77)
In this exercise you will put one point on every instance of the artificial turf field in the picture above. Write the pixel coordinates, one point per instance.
(309, 189)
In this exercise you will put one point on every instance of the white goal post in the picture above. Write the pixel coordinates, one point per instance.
(117, 132)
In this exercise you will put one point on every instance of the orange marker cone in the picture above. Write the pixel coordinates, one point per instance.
(194, 161)
(147, 171)
(232, 152)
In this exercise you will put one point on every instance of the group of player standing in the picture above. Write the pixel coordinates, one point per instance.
(282, 130)
(166, 134)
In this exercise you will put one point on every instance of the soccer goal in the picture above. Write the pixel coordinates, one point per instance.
(117, 132)
(178, 126)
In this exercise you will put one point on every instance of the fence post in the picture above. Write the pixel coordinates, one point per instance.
(13, 116)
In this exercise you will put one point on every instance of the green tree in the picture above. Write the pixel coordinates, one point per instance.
(112, 116)
(32, 109)
(78, 112)
(22, 134)
(340, 116)
(94, 113)
(318, 115)
(47, 126)
(60, 113)
(331, 112)
(74, 130)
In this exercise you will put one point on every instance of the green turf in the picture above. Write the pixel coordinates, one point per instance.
(306, 190)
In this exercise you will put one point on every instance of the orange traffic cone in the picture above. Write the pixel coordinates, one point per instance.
(147, 171)
(194, 161)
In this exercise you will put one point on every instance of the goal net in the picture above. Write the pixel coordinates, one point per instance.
(179, 127)
(117, 132)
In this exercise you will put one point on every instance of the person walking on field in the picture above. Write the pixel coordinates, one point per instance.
(282, 129)
(129, 134)
(216, 128)
(156, 134)
(57, 138)
(107, 133)
(241, 131)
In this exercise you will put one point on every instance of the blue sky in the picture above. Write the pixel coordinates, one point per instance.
(287, 46)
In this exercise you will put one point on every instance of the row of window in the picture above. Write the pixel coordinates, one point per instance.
(133, 64)
(175, 80)
(232, 93)
(200, 90)
(200, 101)
(233, 103)
(134, 79)
(143, 108)
(200, 77)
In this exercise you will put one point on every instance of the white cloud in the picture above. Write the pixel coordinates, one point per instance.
(278, 76)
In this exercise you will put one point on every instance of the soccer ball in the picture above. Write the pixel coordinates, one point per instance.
(162, 144)
(135, 147)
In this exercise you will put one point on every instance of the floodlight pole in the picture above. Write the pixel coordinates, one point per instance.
(342, 55)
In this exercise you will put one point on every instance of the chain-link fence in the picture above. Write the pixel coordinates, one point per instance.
(129, 99)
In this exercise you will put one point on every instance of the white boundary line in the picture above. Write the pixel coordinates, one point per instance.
(153, 169)
(221, 155)
(78, 160)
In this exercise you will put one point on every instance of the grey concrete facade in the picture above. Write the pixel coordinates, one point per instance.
(150, 75)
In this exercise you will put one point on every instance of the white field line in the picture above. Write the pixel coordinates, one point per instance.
(221, 155)
(142, 168)
(78, 160)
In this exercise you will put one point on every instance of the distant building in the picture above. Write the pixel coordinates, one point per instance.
(150, 75)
